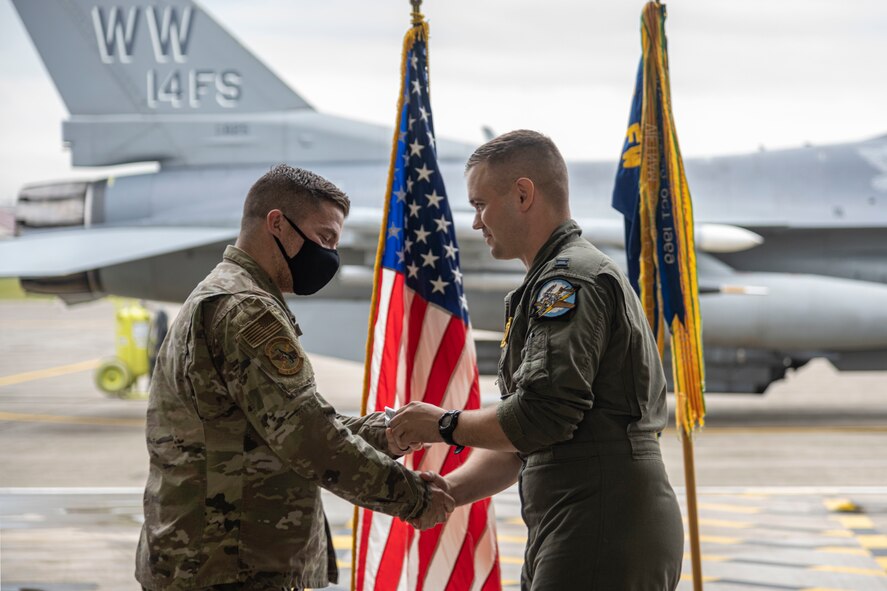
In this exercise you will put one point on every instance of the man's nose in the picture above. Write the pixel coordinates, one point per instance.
(476, 224)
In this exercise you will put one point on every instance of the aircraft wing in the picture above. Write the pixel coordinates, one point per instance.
(63, 252)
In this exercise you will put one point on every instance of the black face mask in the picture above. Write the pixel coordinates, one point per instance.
(312, 267)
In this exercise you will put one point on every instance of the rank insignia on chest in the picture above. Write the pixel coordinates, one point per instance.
(284, 355)
(555, 299)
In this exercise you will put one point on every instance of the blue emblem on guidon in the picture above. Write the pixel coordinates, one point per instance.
(556, 298)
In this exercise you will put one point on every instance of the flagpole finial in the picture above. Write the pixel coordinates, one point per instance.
(418, 17)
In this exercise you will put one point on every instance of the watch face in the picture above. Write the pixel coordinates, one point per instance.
(446, 421)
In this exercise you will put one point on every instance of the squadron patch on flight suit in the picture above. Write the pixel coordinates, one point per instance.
(556, 298)
(284, 355)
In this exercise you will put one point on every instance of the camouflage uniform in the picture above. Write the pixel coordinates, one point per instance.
(583, 400)
(240, 442)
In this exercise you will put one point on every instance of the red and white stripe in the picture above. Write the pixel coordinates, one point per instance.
(422, 352)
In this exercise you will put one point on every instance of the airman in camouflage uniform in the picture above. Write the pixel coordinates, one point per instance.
(582, 388)
(240, 440)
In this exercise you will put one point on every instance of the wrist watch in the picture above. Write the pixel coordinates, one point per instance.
(446, 424)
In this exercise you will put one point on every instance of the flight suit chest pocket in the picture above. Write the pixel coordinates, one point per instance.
(534, 359)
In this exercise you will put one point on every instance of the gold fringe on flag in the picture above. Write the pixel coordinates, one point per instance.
(686, 339)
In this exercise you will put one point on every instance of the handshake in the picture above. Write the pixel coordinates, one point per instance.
(414, 427)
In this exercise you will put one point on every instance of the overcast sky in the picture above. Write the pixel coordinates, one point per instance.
(773, 73)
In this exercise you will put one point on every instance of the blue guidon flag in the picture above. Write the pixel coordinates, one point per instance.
(420, 348)
(651, 191)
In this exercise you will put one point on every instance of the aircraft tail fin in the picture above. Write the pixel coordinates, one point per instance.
(132, 57)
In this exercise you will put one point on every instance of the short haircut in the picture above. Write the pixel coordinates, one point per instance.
(525, 153)
(292, 190)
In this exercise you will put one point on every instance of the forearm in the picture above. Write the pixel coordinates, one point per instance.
(481, 428)
(369, 427)
(485, 473)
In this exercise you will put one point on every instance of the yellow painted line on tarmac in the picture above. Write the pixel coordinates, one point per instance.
(779, 429)
(50, 372)
(101, 421)
(837, 533)
(514, 521)
(511, 560)
(719, 540)
(841, 505)
(705, 578)
(882, 561)
(342, 542)
(512, 539)
(509, 583)
(850, 570)
(821, 589)
(725, 523)
(843, 550)
(855, 522)
(872, 541)
(725, 508)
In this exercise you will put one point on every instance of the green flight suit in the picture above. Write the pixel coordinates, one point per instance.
(583, 400)
(240, 442)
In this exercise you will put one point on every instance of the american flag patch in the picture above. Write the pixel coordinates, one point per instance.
(261, 329)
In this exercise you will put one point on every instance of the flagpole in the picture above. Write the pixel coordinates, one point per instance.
(692, 511)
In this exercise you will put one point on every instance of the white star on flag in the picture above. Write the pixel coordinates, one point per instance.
(416, 148)
(393, 231)
(424, 173)
(434, 199)
(414, 209)
(457, 275)
(451, 250)
(422, 235)
(429, 259)
(413, 269)
(439, 285)
(443, 225)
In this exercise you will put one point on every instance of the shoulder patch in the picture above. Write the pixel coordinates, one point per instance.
(261, 329)
(284, 355)
(562, 263)
(555, 298)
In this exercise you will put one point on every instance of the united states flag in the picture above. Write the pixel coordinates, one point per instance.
(421, 349)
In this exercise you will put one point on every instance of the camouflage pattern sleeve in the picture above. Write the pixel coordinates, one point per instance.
(563, 348)
(272, 381)
(371, 428)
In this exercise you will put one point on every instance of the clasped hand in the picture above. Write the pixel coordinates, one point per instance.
(414, 424)
(440, 505)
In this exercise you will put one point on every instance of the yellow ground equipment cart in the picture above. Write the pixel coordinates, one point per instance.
(117, 375)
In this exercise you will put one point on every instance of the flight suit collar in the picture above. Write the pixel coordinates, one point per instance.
(566, 232)
(248, 263)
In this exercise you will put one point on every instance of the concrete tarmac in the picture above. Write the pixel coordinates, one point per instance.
(776, 473)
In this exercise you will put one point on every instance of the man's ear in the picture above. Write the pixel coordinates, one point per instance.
(526, 191)
(274, 221)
